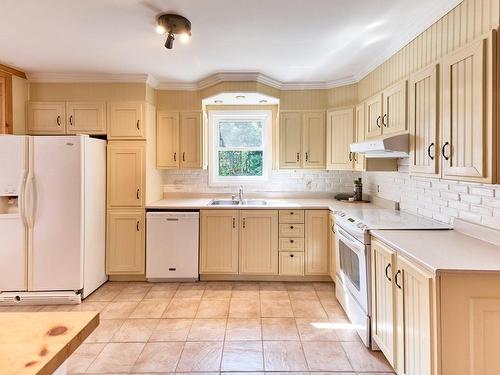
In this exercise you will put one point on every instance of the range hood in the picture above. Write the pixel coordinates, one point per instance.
(396, 146)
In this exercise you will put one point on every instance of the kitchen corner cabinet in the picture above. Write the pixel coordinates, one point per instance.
(219, 232)
(258, 244)
(125, 242)
(339, 136)
(302, 140)
(125, 174)
(46, 118)
(126, 120)
(179, 140)
(316, 242)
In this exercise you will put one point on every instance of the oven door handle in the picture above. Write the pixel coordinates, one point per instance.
(358, 247)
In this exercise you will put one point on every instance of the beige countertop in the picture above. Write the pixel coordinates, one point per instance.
(443, 250)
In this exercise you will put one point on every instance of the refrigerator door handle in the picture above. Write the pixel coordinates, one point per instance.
(22, 199)
(31, 198)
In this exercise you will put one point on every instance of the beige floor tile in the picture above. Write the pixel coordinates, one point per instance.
(308, 309)
(149, 309)
(248, 294)
(83, 357)
(316, 329)
(118, 310)
(159, 357)
(272, 286)
(105, 331)
(171, 330)
(135, 330)
(90, 306)
(244, 308)
(344, 329)
(157, 294)
(326, 357)
(20, 308)
(182, 308)
(116, 358)
(133, 293)
(284, 356)
(219, 285)
(60, 308)
(279, 329)
(363, 359)
(274, 295)
(303, 295)
(242, 356)
(243, 329)
(327, 295)
(200, 356)
(298, 286)
(276, 309)
(216, 294)
(207, 330)
(104, 294)
(213, 308)
(189, 293)
(324, 286)
(246, 286)
(165, 286)
(193, 286)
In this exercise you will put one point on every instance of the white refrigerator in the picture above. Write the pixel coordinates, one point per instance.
(52, 218)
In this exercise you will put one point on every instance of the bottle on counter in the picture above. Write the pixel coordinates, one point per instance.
(358, 190)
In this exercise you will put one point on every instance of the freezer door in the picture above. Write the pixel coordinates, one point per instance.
(12, 253)
(55, 211)
(13, 164)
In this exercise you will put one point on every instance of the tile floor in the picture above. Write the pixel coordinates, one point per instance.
(213, 327)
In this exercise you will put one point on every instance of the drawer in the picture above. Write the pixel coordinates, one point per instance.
(292, 263)
(291, 244)
(291, 230)
(291, 216)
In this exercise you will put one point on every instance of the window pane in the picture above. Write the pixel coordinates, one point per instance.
(240, 133)
(240, 163)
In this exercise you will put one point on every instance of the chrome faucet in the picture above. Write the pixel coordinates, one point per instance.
(240, 193)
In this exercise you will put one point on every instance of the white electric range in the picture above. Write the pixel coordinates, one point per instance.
(353, 281)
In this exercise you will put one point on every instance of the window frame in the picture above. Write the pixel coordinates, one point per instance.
(214, 117)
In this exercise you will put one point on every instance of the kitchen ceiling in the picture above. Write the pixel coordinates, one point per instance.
(292, 41)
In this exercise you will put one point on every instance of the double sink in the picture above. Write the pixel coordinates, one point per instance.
(233, 202)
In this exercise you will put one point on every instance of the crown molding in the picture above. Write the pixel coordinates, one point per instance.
(88, 78)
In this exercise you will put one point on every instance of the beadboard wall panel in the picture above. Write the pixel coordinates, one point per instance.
(467, 21)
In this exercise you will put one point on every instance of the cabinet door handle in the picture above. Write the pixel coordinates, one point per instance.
(71, 120)
(378, 121)
(429, 151)
(58, 120)
(355, 156)
(234, 222)
(183, 156)
(291, 255)
(291, 213)
(138, 125)
(350, 156)
(396, 278)
(307, 156)
(137, 225)
(138, 194)
(384, 117)
(244, 223)
(386, 269)
(175, 156)
(443, 153)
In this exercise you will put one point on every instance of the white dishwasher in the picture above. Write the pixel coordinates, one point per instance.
(172, 245)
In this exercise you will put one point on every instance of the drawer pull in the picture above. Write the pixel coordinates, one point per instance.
(234, 222)
(291, 213)
(291, 255)
(291, 241)
(244, 223)
(291, 226)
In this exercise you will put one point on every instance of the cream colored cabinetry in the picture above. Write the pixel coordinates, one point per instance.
(424, 120)
(291, 263)
(316, 242)
(125, 242)
(46, 118)
(179, 140)
(219, 232)
(302, 140)
(126, 120)
(126, 174)
(258, 244)
(359, 135)
(333, 244)
(339, 136)
(373, 116)
(291, 242)
(86, 118)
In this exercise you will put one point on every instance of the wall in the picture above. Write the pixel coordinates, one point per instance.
(436, 198)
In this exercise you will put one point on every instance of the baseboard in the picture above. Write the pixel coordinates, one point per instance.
(224, 277)
(127, 277)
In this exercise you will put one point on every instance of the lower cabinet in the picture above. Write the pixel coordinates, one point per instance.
(316, 240)
(219, 241)
(259, 242)
(332, 245)
(125, 242)
(291, 263)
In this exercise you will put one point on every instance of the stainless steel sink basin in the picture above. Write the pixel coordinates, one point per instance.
(254, 202)
(223, 202)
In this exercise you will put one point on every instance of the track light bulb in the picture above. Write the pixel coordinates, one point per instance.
(169, 43)
(160, 29)
(184, 37)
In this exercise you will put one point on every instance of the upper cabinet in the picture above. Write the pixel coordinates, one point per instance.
(86, 118)
(359, 135)
(126, 120)
(302, 140)
(179, 140)
(373, 116)
(339, 135)
(46, 118)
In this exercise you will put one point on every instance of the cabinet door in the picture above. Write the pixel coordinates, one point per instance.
(219, 241)
(316, 238)
(125, 174)
(313, 140)
(291, 263)
(259, 242)
(46, 118)
(423, 119)
(191, 140)
(339, 136)
(414, 319)
(464, 147)
(86, 117)
(290, 140)
(394, 119)
(383, 328)
(125, 243)
(126, 120)
(167, 140)
(359, 135)
(373, 117)
(332, 242)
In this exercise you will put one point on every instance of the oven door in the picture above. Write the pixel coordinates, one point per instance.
(352, 266)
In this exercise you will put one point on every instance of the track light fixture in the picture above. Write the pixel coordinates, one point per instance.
(173, 24)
